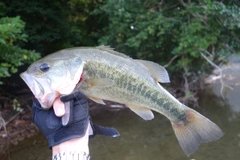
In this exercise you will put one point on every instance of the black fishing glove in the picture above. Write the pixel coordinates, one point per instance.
(96, 129)
(53, 129)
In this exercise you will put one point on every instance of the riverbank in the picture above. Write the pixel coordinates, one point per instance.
(15, 120)
(16, 130)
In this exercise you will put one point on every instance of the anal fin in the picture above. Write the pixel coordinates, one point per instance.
(143, 112)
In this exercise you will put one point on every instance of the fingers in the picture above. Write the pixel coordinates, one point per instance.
(58, 107)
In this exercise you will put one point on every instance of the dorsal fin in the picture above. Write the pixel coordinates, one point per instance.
(111, 50)
(158, 72)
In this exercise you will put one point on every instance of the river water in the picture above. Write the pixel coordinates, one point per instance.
(151, 140)
(155, 139)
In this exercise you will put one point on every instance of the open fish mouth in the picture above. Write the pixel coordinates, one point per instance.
(45, 96)
(34, 86)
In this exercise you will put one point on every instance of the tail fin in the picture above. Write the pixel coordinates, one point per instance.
(195, 130)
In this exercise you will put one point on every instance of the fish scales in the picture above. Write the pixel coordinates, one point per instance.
(109, 75)
(130, 86)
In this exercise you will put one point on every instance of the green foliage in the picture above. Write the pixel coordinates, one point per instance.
(56, 24)
(160, 31)
(50, 26)
(11, 55)
(10, 30)
(45, 21)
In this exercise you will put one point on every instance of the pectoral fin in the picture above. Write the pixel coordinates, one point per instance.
(143, 112)
(159, 72)
(100, 83)
(97, 100)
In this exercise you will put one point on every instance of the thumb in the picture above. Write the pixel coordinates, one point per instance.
(58, 107)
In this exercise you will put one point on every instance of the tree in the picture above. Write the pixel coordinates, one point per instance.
(54, 25)
(172, 31)
(12, 56)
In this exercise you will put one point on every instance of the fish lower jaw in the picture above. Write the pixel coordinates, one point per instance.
(45, 104)
(47, 101)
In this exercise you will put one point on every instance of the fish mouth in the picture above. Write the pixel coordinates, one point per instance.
(45, 96)
(33, 85)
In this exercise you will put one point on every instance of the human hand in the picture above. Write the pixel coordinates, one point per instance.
(94, 129)
(51, 125)
(49, 121)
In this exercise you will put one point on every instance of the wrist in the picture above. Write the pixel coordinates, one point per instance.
(73, 145)
(71, 156)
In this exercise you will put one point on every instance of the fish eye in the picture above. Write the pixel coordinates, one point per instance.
(44, 67)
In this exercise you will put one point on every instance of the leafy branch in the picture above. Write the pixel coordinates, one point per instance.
(11, 55)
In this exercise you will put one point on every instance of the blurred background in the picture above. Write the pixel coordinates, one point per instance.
(197, 42)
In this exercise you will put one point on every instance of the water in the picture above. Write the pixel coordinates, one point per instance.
(152, 140)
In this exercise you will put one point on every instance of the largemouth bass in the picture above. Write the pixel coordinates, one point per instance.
(104, 74)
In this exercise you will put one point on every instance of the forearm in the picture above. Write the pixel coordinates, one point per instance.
(76, 144)
(73, 149)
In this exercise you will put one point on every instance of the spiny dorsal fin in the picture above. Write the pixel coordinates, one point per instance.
(158, 72)
(111, 50)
